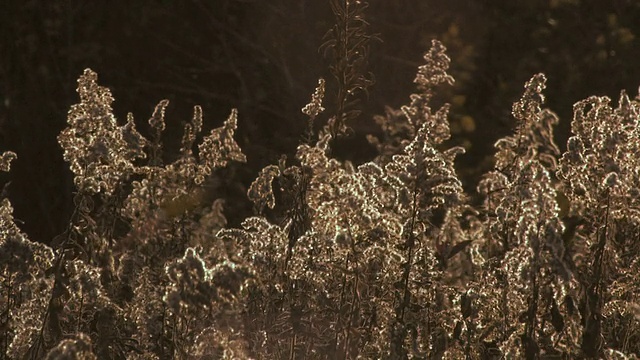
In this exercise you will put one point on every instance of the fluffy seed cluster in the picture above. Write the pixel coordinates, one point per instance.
(388, 259)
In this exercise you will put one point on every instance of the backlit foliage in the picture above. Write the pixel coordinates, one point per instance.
(388, 259)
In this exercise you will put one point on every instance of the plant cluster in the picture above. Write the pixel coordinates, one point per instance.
(389, 259)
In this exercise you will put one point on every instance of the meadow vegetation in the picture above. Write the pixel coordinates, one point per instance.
(388, 259)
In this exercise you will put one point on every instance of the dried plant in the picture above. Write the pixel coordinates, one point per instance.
(348, 45)
(382, 260)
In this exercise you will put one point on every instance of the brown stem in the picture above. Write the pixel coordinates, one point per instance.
(591, 339)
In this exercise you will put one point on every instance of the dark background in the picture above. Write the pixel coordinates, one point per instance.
(262, 57)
